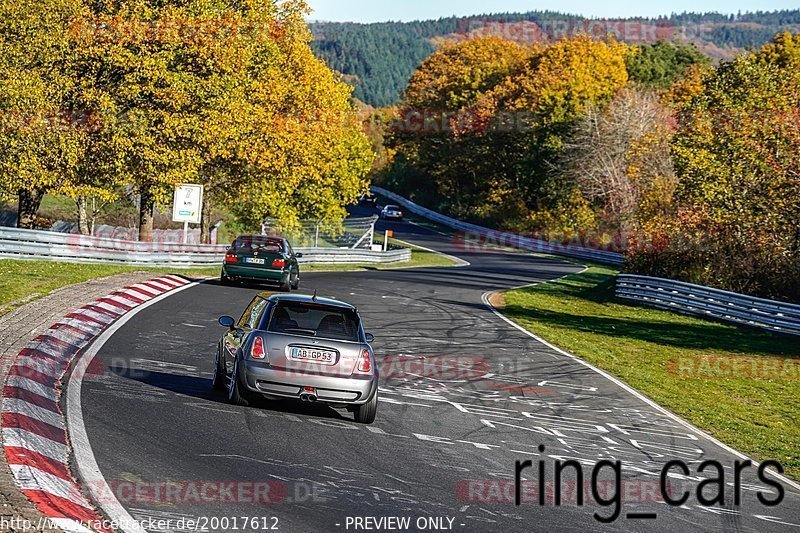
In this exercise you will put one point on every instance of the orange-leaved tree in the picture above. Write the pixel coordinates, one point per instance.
(526, 119)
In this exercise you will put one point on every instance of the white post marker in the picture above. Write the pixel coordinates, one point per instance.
(389, 233)
(187, 207)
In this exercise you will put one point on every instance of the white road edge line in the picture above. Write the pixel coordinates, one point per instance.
(85, 462)
(688, 425)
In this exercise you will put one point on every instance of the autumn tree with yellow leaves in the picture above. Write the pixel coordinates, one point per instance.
(41, 136)
(433, 161)
(510, 110)
(225, 94)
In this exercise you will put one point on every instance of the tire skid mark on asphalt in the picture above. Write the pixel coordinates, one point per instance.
(694, 431)
(33, 426)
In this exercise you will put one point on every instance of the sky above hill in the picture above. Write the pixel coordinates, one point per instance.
(383, 10)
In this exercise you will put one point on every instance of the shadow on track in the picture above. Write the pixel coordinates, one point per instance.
(200, 388)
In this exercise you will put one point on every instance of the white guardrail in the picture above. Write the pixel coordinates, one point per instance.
(524, 243)
(340, 256)
(51, 246)
(713, 303)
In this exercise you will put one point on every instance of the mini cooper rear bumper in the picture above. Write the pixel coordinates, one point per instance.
(262, 379)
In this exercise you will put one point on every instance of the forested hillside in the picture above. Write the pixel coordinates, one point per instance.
(378, 59)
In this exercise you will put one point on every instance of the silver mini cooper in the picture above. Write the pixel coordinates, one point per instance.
(304, 347)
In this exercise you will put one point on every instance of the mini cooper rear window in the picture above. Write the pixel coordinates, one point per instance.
(293, 318)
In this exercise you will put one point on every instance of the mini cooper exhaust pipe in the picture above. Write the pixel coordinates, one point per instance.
(306, 397)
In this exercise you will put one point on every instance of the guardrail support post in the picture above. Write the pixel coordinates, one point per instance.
(372, 235)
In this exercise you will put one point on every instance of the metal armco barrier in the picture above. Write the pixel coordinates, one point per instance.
(50, 246)
(524, 243)
(312, 256)
(713, 303)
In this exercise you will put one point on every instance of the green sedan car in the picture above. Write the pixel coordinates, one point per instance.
(259, 258)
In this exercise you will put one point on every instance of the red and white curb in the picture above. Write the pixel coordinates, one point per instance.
(33, 425)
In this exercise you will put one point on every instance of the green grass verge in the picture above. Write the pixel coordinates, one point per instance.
(23, 281)
(740, 385)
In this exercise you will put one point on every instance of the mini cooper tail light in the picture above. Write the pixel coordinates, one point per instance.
(279, 263)
(231, 258)
(257, 351)
(364, 365)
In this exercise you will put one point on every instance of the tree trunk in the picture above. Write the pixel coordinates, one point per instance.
(83, 218)
(146, 205)
(205, 220)
(29, 202)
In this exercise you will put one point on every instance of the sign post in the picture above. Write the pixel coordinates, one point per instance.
(187, 207)
(389, 233)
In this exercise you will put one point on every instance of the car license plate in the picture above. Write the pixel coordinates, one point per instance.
(323, 357)
(254, 261)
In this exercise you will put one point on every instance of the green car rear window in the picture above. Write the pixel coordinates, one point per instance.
(252, 245)
(311, 320)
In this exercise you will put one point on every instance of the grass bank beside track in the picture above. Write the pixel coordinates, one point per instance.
(740, 385)
(24, 281)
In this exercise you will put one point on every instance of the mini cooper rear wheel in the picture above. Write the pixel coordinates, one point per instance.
(365, 414)
(220, 379)
(237, 395)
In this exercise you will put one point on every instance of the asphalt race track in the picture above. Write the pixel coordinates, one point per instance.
(446, 438)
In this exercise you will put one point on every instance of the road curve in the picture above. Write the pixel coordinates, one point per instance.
(444, 444)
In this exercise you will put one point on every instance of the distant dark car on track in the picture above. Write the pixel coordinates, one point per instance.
(303, 347)
(367, 200)
(260, 258)
(392, 212)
